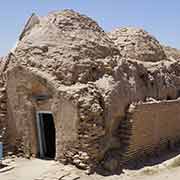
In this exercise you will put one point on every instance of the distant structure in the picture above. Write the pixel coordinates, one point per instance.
(72, 92)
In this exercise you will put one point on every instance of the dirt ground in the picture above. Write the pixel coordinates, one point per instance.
(37, 169)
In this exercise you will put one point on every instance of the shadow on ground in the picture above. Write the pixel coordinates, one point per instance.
(155, 159)
(139, 163)
(3, 166)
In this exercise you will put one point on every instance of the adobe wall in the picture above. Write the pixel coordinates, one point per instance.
(154, 127)
(4, 137)
(3, 113)
(23, 87)
(78, 116)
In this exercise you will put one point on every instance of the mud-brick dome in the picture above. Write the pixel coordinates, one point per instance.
(66, 44)
(137, 44)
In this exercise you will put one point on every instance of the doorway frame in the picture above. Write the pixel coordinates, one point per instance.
(39, 132)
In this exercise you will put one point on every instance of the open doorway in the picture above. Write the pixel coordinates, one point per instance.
(46, 135)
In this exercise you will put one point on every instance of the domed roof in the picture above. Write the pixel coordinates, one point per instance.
(137, 44)
(69, 33)
(65, 43)
(172, 53)
(70, 20)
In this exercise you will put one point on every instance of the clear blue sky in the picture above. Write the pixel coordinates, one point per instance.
(159, 17)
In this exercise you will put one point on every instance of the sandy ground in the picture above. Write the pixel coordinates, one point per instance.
(173, 174)
(26, 169)
(37, 169)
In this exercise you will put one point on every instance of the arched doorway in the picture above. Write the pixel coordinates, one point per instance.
(46, 135)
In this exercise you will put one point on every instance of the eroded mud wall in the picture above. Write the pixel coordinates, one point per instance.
(4, 138)
(77, 111)
(155, 127)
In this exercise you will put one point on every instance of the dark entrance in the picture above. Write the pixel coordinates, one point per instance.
(46, 135)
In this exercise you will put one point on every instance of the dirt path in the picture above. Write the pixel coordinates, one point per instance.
(172, 174)
(37, 169)
(26, 170)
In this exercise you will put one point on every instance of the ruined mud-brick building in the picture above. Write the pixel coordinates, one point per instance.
(70, 91)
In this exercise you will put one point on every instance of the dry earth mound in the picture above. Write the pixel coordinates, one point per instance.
(172, 53)
(69, 45)
(137, 44)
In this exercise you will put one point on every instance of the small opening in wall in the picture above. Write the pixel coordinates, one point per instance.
(41, 97)
(178, 93)
(169, 97)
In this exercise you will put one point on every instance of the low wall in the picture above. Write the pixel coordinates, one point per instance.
(155, 126)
